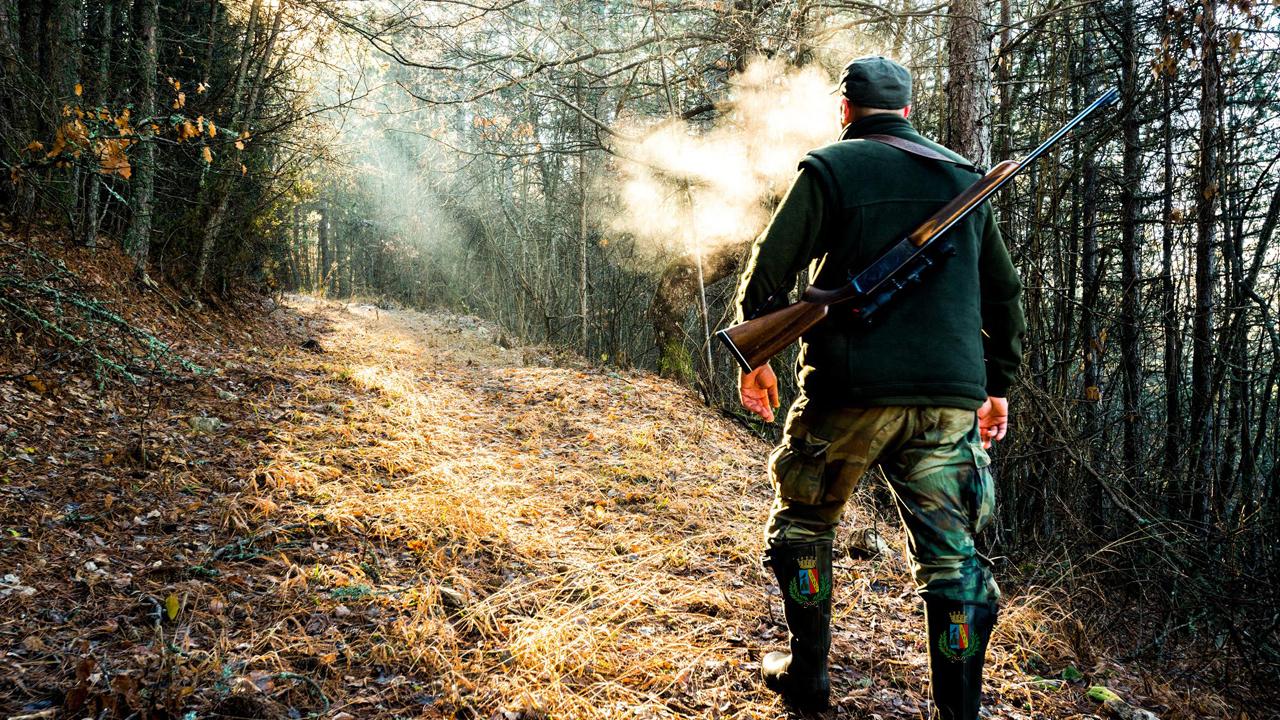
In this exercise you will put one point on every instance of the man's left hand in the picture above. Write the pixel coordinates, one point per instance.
(759, 391)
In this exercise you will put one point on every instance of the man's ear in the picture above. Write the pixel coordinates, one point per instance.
(906, 111)
(846, 111)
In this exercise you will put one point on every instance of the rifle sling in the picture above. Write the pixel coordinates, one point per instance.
(915, 148)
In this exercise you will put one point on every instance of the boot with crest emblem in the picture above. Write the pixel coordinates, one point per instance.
(803, 571)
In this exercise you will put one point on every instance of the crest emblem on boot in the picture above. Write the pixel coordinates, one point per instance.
(809, 587)
(958, 643)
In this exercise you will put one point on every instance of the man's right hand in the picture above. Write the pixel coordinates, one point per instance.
(993, 420)
(759, 391)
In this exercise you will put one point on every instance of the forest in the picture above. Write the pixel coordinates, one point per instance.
(587, 178)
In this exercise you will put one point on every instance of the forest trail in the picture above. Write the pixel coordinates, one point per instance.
(403, 518)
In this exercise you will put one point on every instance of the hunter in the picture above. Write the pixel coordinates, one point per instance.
(921, 392)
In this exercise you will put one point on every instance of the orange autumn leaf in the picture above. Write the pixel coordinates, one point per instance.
(79, 89)
(112, 159)
(180, 102)
(206, 154)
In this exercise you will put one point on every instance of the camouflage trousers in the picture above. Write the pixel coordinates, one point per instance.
(937, 470)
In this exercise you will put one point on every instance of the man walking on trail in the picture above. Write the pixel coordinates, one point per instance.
(902, 393)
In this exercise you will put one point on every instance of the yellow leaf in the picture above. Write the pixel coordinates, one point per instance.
(206, 154)
(239, 144)
(180, 102)
(213, 129)
(79, 89)
(171, 606)
(243, 170)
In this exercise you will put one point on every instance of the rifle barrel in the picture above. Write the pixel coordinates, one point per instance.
(1104, 100)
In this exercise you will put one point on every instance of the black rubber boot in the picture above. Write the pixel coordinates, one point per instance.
(958, 638)
(804, 576)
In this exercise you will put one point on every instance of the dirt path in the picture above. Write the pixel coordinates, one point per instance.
(412, 521)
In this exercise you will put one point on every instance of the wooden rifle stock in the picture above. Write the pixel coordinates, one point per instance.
(903, 264)
(755, 341)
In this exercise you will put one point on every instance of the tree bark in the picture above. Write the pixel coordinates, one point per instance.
(1173, 444)
(1203, 428)
(969, 80)
(101, 79)
(213, 226)
(138, 237)
(1131, 173)
(676, 295)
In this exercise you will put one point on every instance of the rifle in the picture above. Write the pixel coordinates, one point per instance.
(904, 264)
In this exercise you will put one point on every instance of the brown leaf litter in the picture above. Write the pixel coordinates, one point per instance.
(405, 519)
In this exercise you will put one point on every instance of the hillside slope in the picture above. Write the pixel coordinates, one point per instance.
(375, 513)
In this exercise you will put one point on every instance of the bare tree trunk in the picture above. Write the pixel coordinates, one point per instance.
(13, 111)
(213, 226)
(324, 278)
(138, 238)
(1203, 430)
(582, 231)
(63, 28)
(1168, 302)
(969, 81)
(1131, 174)
(101, 79)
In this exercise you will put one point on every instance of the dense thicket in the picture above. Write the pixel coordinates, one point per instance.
(169, 127)
(490, 169)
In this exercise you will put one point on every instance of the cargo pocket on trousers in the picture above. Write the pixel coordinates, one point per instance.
(983, 497)
(798, 467)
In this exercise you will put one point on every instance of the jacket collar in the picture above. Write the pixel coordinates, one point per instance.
(878, 124)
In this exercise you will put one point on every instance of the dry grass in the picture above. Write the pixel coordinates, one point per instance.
(416, 522)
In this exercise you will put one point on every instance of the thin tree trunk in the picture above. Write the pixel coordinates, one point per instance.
(1131, 174)
(102, 74)
(1173, 444)
(213, 226)
(138, 238)
(1203, 428)
(63, 26)
(324, 279)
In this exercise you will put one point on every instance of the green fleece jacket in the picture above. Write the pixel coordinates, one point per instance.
(952, 341)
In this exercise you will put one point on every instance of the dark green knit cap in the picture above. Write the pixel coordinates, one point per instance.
(876, 82)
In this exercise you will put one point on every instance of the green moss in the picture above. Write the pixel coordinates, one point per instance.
(1101, 694)
(675, 361)
(1071, 674)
